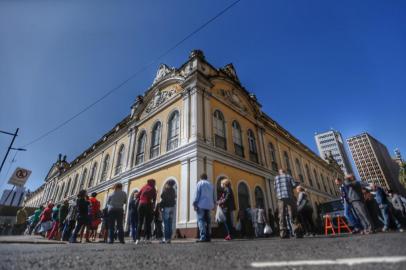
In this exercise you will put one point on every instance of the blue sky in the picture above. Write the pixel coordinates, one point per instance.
(312, 64)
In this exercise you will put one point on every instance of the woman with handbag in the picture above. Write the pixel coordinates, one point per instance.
(305, 211)
(227, 205)
(45, 220)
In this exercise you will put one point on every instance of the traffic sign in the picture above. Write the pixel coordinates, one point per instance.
(19, 177)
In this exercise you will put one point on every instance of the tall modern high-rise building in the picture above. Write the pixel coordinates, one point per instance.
(374, 163)
(331, 143)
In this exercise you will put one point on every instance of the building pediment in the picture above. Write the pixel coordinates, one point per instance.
(162, 72)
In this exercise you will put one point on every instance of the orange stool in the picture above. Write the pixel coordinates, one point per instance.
(342, 225)
(328, 225)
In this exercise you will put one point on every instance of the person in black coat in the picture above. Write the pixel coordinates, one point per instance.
(133, 212)
(82, 218)
(227, 204)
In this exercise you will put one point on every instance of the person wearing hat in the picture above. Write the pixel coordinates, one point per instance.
(147, 198)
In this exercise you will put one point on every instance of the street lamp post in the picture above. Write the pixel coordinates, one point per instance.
(10, 147)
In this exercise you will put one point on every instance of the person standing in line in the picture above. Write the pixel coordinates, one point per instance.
(45, 219)
(21, 221)
(284, 185)
(260, 221)
(203, 203)
(115, 203)
(305, 211)
(353, 220)
(356, 199)
(70, 221)
(227, 204)
(82, 217)
(147, 199)
(133, 214)
(35, 219)
(168, 201)
(398, 205)
(104, 231)
(94, 217)
(54, 233)
(385, 207)
(62, 214)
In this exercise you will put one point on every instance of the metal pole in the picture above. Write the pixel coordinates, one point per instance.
(9, 148)
(8, 195)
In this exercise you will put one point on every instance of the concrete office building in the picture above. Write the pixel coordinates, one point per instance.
(374, 163)
(331, 142)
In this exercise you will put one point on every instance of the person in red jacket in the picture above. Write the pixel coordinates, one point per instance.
(45, 219)
(147, 198)
(94, 217)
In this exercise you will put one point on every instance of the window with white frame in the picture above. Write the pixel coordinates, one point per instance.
(237, 139)
(120, 159)
(173, 131)
(155, 140)
(252, 144)
(142, 139)
(219, 126)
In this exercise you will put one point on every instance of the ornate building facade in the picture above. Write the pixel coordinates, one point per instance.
(193, 119)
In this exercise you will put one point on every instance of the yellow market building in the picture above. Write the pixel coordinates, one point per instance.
(193, 119)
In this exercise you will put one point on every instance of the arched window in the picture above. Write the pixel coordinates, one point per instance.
(67, 187)
(155, 140)
(309, 176)
(252, 146)
(75, 183)
(92, 175)
(120, 159)
(299, 170)
(105, 168)
(243, 196)
(83, 180)
(219, 130)
(272, 154)
(287, 162)
(237, 139)
(316, 178)
(142, 139)
(173, 131)
(259, 197)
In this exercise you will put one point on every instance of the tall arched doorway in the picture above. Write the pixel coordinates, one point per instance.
(243, 196)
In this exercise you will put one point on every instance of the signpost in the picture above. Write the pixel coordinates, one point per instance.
(18, 178)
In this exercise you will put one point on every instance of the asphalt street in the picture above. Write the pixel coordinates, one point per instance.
(237, 254)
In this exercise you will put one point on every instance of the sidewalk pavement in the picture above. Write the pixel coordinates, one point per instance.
(37, 239)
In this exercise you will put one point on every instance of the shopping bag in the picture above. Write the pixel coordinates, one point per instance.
(45, 226)
(220, 217)
(267, 229)
(238, 226)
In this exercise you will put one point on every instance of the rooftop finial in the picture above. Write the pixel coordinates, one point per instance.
(196, 53)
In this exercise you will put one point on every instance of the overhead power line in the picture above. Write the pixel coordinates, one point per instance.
(142, 69)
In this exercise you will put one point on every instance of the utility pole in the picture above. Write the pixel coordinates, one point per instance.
(10, 147)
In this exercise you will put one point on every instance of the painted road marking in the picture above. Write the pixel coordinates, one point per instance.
(344, 261)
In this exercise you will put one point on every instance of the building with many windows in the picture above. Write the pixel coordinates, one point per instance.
(193, 119)
(331, 143)
(373, 162)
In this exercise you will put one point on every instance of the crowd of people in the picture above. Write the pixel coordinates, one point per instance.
(368, 213)
(72, 221)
